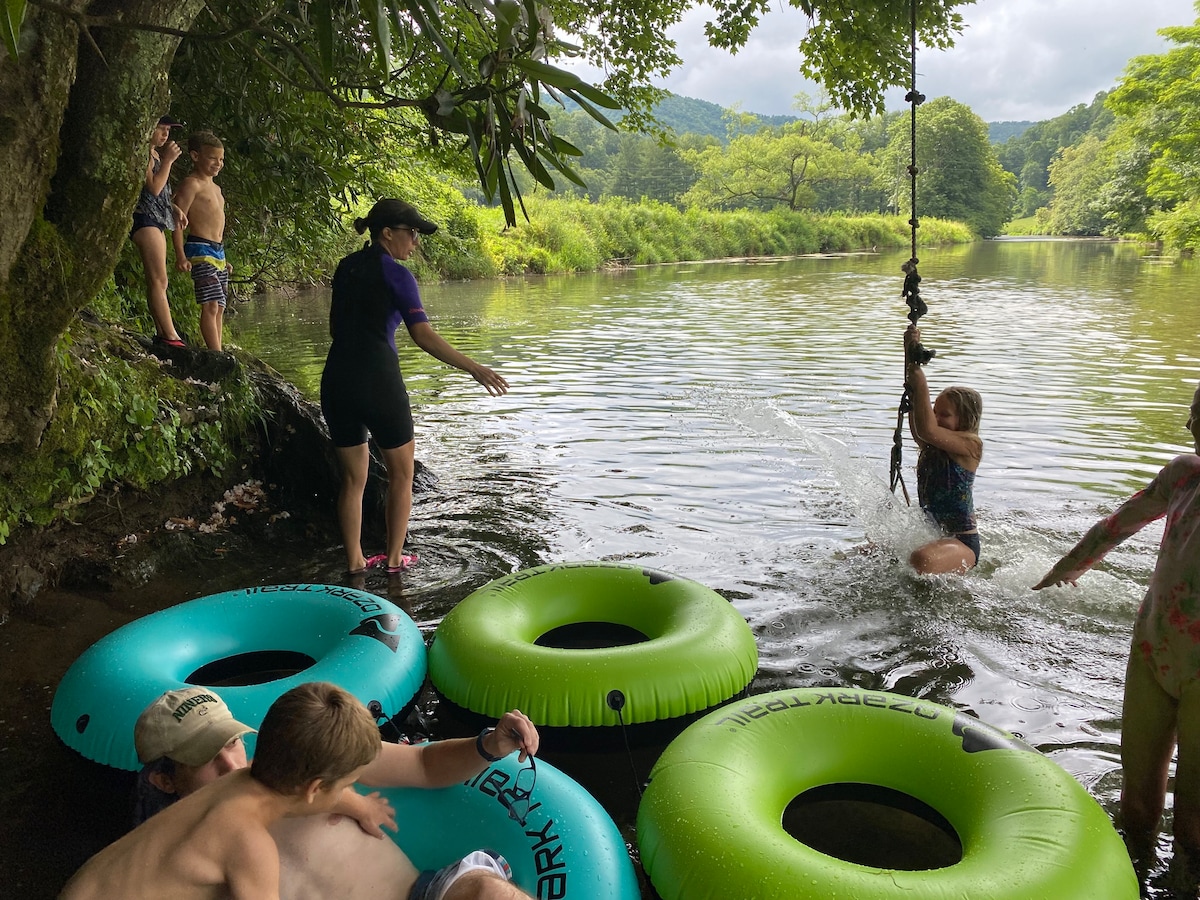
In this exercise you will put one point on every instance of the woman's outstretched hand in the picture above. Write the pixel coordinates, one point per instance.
(493, 381)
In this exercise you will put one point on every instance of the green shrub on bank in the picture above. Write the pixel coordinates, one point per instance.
(1178, 228)
(568, 235)
(122, 421)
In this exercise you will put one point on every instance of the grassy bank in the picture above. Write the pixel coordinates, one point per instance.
(564, 235)
(579, 236)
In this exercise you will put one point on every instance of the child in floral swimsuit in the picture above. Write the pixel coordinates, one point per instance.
(1162, 680)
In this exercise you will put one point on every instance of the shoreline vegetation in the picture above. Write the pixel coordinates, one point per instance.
(133, 418)
(572, 236)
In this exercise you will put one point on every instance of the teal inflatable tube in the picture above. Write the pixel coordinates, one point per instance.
(568, 849)
(490, 653)
(354, 639)
(710, 823)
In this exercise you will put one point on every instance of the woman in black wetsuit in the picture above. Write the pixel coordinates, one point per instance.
(362, 389)
(947, 432)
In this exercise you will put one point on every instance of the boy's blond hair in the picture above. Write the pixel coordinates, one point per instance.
(314, 731)
(200, 139)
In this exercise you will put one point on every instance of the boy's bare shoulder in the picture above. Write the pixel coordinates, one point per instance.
(188, 184)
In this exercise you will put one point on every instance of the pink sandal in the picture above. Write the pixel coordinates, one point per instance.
(406, 562)
(371, 562)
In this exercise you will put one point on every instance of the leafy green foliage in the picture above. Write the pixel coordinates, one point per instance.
(121, 420)
(480, 81)
(1078, 176)
(1159, 123)
(577, 235)
(960, 177)
(475, 74)
(1028, 155)
(814, 162)
(12, 14)
(625, 164)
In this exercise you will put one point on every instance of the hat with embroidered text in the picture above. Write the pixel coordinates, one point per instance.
(189, 726)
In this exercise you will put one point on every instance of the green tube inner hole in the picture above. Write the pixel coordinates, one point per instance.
(873, 826)
(590, 636)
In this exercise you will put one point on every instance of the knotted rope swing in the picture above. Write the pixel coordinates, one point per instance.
(912, 279)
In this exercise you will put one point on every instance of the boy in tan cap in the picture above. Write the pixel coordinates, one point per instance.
(314, 743)
(333, 855)
(186, 739)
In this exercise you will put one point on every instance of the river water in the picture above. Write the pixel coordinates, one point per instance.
(732, 423)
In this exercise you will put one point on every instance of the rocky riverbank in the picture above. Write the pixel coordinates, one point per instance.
(283, 487)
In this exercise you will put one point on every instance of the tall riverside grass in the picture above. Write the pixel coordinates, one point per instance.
(578, 236)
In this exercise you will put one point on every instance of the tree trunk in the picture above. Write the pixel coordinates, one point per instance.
(33, 98)
(73, 141)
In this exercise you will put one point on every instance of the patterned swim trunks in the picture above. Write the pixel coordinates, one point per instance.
(210, 274)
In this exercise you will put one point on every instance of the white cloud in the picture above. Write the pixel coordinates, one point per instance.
(1017, 59)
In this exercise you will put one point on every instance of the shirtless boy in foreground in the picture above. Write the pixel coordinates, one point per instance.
(314, 742)
(200, 200)
(189, 738)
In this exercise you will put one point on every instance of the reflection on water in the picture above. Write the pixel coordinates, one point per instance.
(732, 423)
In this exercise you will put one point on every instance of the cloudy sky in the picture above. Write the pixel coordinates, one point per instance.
(1016, 59)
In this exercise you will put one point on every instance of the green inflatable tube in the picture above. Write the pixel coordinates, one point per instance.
(710, 823)
(698, 650)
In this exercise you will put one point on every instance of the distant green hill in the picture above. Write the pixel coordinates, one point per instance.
(686, 115)
(999, 132)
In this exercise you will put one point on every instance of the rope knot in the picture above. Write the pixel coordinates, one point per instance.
(912, 291)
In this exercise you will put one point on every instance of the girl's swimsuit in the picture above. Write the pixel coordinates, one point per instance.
(362, 389)
(153, 211)
(945, 491)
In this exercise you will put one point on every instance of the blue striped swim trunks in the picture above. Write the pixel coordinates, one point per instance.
(210, 274)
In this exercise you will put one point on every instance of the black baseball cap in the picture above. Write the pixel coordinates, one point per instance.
(169, 122)
(389, 213)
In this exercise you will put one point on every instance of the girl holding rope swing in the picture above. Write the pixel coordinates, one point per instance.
(947, 434)
(946, 430)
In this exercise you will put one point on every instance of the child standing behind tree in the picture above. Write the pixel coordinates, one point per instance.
(199, 198)
(1162, 680)
(154, 214)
